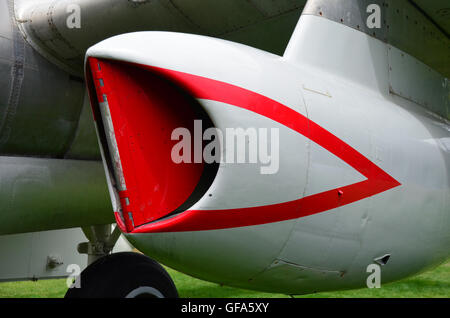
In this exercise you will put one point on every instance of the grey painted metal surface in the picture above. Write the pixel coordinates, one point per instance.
(261, 23)
(43, 194)
(40, 255)
(84, 144)
(415, 37)
(46, 254)
(44, 111)
(344, 89)
(415, 81)
(403, 25)
(40, 104)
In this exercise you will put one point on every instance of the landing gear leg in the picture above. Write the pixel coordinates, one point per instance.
(101, 241)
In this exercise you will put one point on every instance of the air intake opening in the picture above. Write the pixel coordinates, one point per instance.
(136, 112)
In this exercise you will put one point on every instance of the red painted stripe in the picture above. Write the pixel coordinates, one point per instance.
(196, 220)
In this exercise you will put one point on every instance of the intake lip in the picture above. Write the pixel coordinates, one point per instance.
(136, 111)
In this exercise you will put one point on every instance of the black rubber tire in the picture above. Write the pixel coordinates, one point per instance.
(119, 274)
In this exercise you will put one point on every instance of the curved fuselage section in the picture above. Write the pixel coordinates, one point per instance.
(362, 174)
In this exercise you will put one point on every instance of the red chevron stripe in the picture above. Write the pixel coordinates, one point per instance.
(197, 220)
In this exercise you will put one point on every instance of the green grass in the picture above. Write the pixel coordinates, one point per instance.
(435, 283)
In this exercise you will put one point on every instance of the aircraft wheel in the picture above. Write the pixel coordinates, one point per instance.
(124, 275)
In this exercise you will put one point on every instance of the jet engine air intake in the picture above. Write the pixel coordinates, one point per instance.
(136, 110)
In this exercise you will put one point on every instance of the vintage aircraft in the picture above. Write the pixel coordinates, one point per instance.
(346, 103)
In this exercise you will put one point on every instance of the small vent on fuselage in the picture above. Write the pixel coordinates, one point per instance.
(382, 260)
